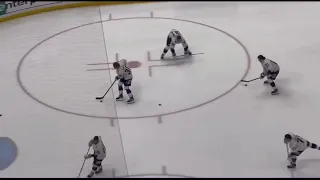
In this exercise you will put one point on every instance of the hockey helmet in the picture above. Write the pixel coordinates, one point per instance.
(95, 140)
(287, 138)
(261, 58)
(116, 65)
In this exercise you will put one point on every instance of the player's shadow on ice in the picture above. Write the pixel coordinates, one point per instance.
(288, 94)
(286, 84)
(307, 168)
(136, 89)
(281, 83)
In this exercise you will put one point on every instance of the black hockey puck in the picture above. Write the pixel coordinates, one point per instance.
(246, 84)
(101, 101)
(0, 114)
(159, 104)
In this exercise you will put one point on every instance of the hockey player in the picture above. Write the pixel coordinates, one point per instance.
(271, 70)
(124, 75)
(297, 145)
(174, 38)
(99, 153)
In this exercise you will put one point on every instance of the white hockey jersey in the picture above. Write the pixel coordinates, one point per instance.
(269, 66)
(297, 143)
(124, 72)
(99, 150)
(174, 37)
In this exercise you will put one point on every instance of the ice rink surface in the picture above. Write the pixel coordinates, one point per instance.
(208, 124)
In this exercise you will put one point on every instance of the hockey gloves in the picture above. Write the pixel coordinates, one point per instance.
(262, 75)
(87, 156)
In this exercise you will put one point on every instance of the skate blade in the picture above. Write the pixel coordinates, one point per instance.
(130, 102)
(99, 172)
(119, 99)
(275, 93)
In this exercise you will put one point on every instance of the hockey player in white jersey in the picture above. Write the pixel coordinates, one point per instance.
(124, 75)
(297, 145)
(99, 153)
(271, 70)
(175, 37)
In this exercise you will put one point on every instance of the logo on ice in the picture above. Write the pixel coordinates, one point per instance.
(3, 8)
(13, 6)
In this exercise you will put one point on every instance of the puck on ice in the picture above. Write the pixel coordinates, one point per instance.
(246, 84)
(159, 104)
(101, 101)
(0, 114)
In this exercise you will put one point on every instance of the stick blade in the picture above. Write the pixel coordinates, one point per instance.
(99, 97)
(249, 80)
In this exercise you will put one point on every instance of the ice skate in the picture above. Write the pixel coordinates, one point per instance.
(99, 170)
(162, 56)
(131, 100)
(188, 53)
(90, 175)
(120, 98)
(291, 166)
(174, 55)
(274, 92)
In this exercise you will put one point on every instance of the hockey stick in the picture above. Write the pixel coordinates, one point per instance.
(185, 55)
(83, 162)
(250, 80)
(107, 91)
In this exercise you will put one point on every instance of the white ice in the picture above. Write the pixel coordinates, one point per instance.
(238, 135)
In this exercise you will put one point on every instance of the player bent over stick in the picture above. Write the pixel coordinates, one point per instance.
(99, 153)
(124, 75)
(297, 145)
(271, 70)
(175, 37)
